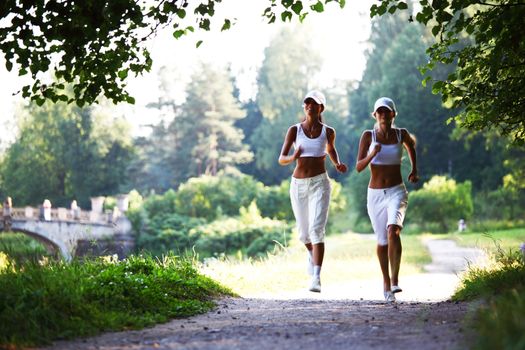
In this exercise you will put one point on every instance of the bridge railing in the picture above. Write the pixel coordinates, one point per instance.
(63, 214)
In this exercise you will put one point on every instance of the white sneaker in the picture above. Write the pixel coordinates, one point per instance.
(315, 285)
(390, 297)
(310, 266)
(396, 289)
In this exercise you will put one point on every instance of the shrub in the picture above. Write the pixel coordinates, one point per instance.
(210, 196)
(441, 201)
(167, 232)
(501, 204)
(250, 233)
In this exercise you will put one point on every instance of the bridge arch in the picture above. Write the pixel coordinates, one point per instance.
(51, 246)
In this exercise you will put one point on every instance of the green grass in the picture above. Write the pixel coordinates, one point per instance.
(491, 241)
(499, 321)
(42, 303)
(348, 257)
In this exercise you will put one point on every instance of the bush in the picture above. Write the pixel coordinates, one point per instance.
(250, 233)
(167, 232)
(503, 204)
(441, 201)
(274, 201)
(212, 196)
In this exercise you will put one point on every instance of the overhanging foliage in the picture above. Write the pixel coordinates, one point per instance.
(95, 44)
(487, 42)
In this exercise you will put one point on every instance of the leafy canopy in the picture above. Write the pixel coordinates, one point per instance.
(485, 39)
(95, 44)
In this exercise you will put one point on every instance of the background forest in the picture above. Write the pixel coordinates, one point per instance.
(206, 175)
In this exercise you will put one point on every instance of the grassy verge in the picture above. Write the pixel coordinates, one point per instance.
(348, 257)
(42, 303)
(491, 241)
(499, 322)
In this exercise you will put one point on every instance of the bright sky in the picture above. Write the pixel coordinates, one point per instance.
(339, 35)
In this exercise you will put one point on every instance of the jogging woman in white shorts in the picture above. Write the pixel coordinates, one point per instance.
(382, 148)
(310, 186)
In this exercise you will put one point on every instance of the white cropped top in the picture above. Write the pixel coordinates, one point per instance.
(311, 147)
(389, 154)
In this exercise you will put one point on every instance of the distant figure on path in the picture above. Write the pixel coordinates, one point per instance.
(387, 199)
(310, 188)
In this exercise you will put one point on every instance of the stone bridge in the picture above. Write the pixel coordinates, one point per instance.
(63, 230)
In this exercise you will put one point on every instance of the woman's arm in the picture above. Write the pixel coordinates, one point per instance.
(410, 145)
(363, 157)
(332, 151)
(284, 158)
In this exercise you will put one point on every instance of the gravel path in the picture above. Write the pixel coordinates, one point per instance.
(346, 316)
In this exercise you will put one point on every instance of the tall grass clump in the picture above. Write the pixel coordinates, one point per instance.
(41, 303)
(499, 321)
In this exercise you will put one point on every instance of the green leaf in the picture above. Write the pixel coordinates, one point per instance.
(302, 17)
(123, 74)
(436, 88)
(181, 13)
(402, 6)
(373, 10)
(435, 30)
(178, 33)
(287, 3)
(286, 15)
(199, 43)
(8, 65)
(297, 7)
(342, 3)
(318, 7)
(392, 9)
(40, 101)
(130, 100)
(425, 81)
(227, 24)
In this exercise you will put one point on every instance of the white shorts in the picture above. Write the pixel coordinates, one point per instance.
(310, 199)
(386, 206)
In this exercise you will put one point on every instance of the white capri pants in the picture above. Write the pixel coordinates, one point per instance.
(386, 206)
(310, 199)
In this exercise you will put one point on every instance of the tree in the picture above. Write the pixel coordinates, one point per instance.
(207, 139)
(486, 41)
(94, 45)
(64, 153)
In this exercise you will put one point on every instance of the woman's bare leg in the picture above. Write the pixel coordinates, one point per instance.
(394, 252)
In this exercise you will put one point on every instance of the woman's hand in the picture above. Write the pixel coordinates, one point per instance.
(297, 153)
(376, 149)
(341, 167)
(413, 176)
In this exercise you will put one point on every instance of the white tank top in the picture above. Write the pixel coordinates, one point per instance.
(389, 154)
(311, 147)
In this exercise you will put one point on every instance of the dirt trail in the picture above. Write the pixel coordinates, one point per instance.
(346, 316)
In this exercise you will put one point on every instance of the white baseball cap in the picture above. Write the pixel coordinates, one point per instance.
(385, 102)
(317, 96)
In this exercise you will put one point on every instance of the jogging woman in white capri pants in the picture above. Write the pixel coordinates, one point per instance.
(310, 186)
(382, 148)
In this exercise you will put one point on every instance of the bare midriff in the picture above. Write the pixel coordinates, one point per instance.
(385, 176)
(309, 167)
